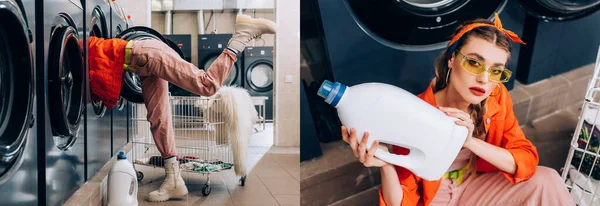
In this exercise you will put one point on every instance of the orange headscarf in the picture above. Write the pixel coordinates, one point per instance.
(497, 24)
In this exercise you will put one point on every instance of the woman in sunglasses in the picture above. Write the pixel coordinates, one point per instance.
(497, 164)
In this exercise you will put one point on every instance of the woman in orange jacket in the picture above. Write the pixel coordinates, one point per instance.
(157, 64)
(497, 164)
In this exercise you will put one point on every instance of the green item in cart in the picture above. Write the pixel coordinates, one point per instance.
(226, 166)
(207, 168)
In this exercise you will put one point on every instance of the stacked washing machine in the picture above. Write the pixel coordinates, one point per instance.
(120, 113)
(98, 117)
(560, 36)
(61, 84)
(258, 75)
(54, 135)
(18, 126)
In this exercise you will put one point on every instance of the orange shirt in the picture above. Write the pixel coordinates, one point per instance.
(106, 59)
(502, 130)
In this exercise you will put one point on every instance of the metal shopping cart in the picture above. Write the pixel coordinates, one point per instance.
(201, 138)
(581, 172)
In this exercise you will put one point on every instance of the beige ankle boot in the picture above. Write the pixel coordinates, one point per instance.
(248, 28)
(173, 186)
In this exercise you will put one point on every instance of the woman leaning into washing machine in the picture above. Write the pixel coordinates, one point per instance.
(497, 164)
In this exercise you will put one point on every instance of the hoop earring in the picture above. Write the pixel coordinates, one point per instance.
(497, 85)
(448, 76)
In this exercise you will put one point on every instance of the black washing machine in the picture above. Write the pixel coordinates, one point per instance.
(61, 74)
(98, 117)
(183, 42)
(561, 36)
(393, 42)
(119, 123)
(18, 128)
(258, 75)
(132, 85)
(210, 46)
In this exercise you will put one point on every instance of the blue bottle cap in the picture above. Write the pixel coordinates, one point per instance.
(331, 92)
(121, 155)
(325, 89)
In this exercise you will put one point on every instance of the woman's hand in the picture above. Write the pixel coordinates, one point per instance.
(367, 158)
(464, 120)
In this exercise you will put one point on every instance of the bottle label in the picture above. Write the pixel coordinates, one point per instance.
(131, 187)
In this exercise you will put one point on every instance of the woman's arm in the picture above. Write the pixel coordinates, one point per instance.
(496, 156)
(390, 185)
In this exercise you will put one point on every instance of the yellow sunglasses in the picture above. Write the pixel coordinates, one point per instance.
(474, 66)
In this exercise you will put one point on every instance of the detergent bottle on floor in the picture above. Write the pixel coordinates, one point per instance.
(395, 116)
(122, 183)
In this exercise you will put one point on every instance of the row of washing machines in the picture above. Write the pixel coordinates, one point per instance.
(252, 71)
(396, 42)
(54, 136)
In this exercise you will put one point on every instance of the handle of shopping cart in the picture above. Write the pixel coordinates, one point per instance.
(594, 81)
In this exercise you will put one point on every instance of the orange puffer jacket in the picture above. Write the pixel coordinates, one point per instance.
(106, 59)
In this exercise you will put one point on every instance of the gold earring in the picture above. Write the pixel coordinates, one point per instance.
(497, 85)
(448, 75)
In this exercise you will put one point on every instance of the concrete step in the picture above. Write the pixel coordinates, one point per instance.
(367, 197)
(335, 176)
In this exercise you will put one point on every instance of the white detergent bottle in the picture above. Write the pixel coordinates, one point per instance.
(395, 116)
(122, 183)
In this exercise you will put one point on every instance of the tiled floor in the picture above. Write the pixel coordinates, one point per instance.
(273, 179)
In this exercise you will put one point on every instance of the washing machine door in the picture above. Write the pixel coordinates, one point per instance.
(259, 76)
(418, 25)
(173, 89)
(233, 74)
(132, 84)
(65, 81)
(99, 29)
(559, 10)
(16, 88)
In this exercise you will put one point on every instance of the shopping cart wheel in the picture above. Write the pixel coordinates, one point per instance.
(140, 175)
(243, 180)
(206, 190)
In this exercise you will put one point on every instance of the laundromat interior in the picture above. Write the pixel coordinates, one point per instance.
(60, 141)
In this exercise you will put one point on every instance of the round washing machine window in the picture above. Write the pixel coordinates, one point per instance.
(417, 25)
(16, 89)
(99, 29)
(119, 29)
(260, 76)
(560, 10)
(98, 22)
(232, 74)
(132, 84)
(65, 81)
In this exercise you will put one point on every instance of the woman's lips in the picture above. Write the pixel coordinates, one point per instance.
(478, 91)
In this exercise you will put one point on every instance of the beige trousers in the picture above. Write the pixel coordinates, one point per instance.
(545, 187)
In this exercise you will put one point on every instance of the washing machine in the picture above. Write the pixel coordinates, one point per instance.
(18, 128)
(258, 75)
(132, 85)
(183, 42)
(560, 35)
(393, 42)
(61, 99)
(210, 46)
(119, 113)
(98, 117)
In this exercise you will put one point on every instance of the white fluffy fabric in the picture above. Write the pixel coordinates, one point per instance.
(236, 107)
